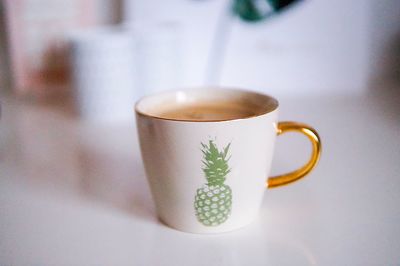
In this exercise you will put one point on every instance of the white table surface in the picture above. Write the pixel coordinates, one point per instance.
(72, 193)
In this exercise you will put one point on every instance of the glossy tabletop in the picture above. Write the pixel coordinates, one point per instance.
(74, 193)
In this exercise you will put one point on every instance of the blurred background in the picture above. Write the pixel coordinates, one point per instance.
(72, 186)
(307, 47)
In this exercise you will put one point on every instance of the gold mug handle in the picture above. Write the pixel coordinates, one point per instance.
(311, 133)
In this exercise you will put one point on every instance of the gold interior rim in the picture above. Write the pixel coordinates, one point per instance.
(204, 90)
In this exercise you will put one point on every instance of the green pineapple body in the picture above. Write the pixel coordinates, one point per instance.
(213, 204)
(213, 201)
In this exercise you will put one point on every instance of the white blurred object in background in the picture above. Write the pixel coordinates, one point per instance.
(197, 21)
(315, 47)
(103, 73)
(158, 56)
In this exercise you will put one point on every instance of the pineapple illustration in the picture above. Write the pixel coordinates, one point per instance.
(213, 201)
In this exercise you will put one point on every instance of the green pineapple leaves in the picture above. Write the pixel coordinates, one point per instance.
(215, 163)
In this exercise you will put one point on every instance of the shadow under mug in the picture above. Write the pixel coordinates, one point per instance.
(209, 176)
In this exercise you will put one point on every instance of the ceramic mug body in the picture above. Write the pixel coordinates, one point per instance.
(207, 176)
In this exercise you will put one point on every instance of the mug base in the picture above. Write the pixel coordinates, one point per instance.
(207, 230)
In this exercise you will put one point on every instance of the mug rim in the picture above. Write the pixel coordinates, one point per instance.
(204, 89)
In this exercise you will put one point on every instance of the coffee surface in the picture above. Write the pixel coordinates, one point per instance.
(207, 111)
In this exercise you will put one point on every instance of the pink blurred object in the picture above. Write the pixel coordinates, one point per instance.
(38, 50)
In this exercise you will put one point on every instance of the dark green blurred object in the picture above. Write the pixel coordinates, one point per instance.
(257, 10)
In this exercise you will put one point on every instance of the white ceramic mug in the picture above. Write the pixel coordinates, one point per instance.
(210, 176)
